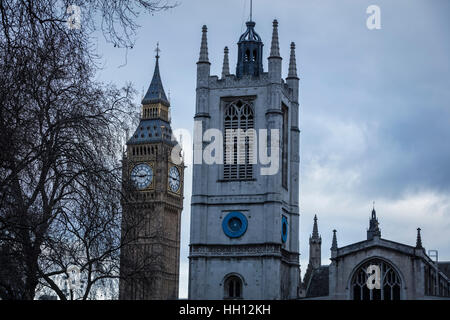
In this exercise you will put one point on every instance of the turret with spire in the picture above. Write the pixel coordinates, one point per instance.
(293, 83)
(292, 79)
(250, 52)
(203, 58)
(419, 240)
(374, 229)
(155, 92)
(315, 244)
(203, 73)
(226, 64)
(275, 58)
(155, 122)
(334, 244)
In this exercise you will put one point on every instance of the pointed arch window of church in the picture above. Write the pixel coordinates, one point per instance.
(237, 164)
(390, 282)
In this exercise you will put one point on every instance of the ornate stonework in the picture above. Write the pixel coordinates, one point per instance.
(152, 205)
(245, 224)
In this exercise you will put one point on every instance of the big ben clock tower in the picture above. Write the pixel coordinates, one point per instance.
(152, 203)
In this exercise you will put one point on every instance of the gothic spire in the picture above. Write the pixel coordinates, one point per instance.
(155, 92)
(419, 239)
(315, 233)
(204, 46)
(275, 48)
(334, 244)
(226, 64)
(374, 213)
(292, 63)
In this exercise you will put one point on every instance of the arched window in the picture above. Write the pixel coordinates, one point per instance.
(233, 288)
(390, 282)
(239, 145)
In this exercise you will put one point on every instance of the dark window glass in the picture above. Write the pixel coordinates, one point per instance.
(233, 288)
(389, 280)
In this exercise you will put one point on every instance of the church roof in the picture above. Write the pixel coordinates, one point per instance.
(380, 243)
(444, 267)
(318, 283)
(152, 130)
(155, 92)
(250, 34)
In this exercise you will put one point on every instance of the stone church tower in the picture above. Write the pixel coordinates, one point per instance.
(244, 239)
(374, 229)
(315, 246)
(152, 202)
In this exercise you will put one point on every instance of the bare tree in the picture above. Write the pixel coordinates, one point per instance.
(61, 135)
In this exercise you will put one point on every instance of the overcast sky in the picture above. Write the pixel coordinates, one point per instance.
(375, 106)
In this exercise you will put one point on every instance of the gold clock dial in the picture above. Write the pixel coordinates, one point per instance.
(142, 176)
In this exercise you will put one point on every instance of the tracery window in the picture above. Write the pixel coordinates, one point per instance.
(238, 144)
(233, 288)
(390, 283)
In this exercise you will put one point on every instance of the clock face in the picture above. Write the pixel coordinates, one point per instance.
(234, 224)
(142, 175)
(174, 179)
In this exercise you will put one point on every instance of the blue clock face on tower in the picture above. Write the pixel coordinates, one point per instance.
(284, 229)
(234, 224)
(142, 176)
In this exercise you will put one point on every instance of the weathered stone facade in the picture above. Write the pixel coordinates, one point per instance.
(262, 261)
(406, 272)
(152, 204)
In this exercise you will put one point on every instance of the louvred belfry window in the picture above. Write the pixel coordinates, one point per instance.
(238, 144)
